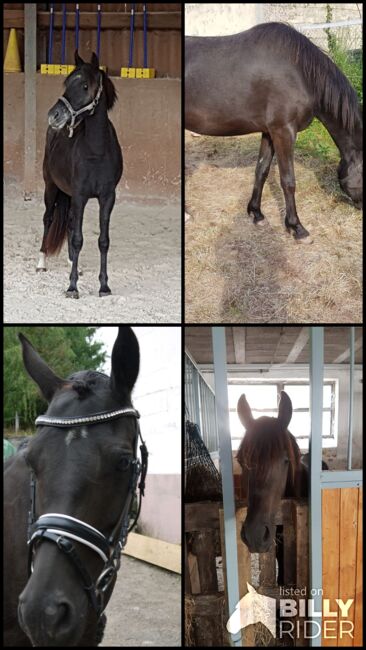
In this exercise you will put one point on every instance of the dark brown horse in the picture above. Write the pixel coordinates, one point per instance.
(273, 80)
(271, 469)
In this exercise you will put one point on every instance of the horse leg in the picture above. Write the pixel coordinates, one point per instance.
(69, 244)
(106, 204)
(77, 209)
(265, 156)
(50, 194)
(284, 141)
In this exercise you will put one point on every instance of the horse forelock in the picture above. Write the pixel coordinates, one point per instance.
(264, 444)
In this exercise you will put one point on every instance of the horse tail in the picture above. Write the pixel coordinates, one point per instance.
(58, 229)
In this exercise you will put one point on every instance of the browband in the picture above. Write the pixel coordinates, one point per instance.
(104, 416)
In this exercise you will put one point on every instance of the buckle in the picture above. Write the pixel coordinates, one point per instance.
(105, 579)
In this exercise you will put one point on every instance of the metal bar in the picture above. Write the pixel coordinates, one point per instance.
(226, 466)
(340, 476)
(30, 98)
(350, 403)
(315, 453)
(196, 395)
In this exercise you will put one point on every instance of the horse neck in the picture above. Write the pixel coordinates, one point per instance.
(96, 128)
(346, 141)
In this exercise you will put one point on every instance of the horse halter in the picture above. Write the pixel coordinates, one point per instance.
(64, 530)
(90, 107)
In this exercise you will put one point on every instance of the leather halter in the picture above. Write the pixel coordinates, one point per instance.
(90, 107)
(64, 530)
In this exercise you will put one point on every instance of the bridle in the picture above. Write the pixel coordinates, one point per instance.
(64, 530)
(90, 107)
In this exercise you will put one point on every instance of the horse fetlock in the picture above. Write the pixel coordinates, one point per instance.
(41, 266)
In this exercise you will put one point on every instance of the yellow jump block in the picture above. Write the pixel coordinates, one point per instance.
(56, 68)
(138, 73)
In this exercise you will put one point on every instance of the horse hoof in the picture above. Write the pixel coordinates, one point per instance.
(257, 221)
(305, 240)
(72, 294)
(102, 294)
(40, 269)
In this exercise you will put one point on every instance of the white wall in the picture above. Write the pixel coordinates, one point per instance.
(221, 18)
(157, 396)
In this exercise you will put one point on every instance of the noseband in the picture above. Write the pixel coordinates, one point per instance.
(90, 107)
(64, 530)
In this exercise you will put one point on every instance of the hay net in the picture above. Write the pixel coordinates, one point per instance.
(202, 480)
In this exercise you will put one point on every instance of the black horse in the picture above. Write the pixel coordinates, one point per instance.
(274, 80)
(70, 493)
(83, 160)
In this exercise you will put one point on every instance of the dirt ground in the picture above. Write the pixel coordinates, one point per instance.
(144, 265)
(145, 608)
(239, 272)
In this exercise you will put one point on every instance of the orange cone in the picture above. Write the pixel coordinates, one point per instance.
(12, 58)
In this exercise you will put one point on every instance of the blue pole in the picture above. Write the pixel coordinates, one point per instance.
(63, 41)
(50, 43)
(145, 35)
(99, 27)
(77, 27)
(132, 28)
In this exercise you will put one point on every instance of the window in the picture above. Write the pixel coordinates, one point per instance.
(263, 399)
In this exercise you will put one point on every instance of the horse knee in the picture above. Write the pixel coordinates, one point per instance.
(103, 244)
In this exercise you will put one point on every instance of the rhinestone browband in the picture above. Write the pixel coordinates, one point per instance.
(90, 419)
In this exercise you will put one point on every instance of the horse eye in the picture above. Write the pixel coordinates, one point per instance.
(85, 86)
(124, 463)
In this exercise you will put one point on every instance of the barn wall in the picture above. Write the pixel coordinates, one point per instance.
(147, 118)
(164, 34)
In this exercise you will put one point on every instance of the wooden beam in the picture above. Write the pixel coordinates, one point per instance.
(155, 551)
(342, 357)
(88, 19)
(239, 344)
(298, 346)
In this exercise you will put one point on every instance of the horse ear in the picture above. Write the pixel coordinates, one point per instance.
(284, 410)
(78, 60)
(44, 377)
(125, 361)
(94, 61)
(244, 412)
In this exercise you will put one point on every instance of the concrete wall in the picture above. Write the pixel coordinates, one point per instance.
(229, 18)
(147, 118)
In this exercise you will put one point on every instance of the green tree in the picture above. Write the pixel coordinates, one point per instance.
(65, 350)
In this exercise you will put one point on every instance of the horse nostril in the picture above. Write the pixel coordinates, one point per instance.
(57, 614)
(55, 114)
(266, 534)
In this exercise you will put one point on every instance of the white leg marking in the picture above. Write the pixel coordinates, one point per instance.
(41, 266)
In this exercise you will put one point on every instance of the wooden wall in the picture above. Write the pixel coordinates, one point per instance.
(342, 560)
(164, 34)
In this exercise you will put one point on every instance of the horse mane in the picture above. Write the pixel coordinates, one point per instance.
(333, 92)
(110, 91)
(261, 447)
